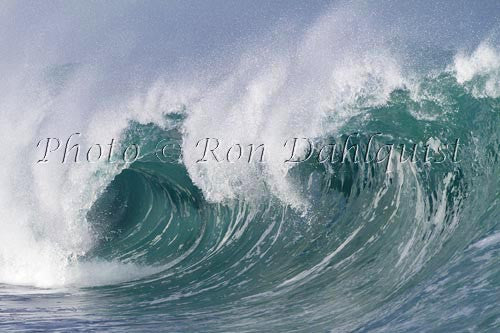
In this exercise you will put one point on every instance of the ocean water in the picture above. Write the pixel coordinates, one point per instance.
(157, 240)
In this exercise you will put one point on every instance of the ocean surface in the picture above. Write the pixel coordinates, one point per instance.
(156, 240)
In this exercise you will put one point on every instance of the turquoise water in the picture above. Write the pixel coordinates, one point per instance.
(180, 246)
(415, 249)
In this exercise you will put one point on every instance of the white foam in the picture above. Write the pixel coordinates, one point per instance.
(487, 241)
(306, 90)
(483, 62)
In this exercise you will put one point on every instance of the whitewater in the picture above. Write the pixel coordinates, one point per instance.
(178, 243)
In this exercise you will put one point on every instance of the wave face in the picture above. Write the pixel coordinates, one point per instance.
(178, 245)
